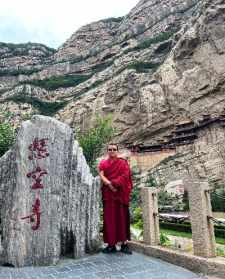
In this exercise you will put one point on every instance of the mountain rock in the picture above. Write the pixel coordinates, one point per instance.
(159, 65)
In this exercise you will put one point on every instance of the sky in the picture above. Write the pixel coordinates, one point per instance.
(52, 22)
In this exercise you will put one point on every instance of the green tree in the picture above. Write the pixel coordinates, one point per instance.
(151, 182)
(95, 138)
(135, 193)
(186, 201)
(6, 137)
(164, 240)
(138, 218)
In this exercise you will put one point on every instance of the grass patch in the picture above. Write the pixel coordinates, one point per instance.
(139, 67)
(65, 81)
(143, 67)
(55, 82)
(219, 240)
(100, 67)
(147, 43)
(23, 49)
(176, 233)
(113, 19)
(16, 72)
(44, 108)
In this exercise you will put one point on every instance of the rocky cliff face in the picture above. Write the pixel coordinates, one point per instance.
(97, 70)
(158, 65)
(204, 159)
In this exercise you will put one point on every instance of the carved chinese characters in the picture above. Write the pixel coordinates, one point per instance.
(36, 176)
(38, 151)
(35, 214)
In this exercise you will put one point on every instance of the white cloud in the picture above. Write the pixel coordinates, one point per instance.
(52, 22)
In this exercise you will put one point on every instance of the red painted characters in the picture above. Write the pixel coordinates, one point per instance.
(35, 216)
(36, 175)
(37, 150)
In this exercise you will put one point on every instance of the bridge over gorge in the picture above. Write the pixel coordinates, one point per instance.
(49, 209)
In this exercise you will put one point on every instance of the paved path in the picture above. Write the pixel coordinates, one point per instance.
(116, 266)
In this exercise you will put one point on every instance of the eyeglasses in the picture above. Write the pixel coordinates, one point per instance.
(112, 149)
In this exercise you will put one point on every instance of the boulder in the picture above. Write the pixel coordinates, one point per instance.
(49, 198)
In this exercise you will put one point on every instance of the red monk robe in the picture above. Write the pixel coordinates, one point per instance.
(116, 219)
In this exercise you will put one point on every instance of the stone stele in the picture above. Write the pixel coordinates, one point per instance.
(49, 198)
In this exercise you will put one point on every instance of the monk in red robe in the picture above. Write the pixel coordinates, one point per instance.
(116, 180)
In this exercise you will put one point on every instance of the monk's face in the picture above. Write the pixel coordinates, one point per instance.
(112, 151)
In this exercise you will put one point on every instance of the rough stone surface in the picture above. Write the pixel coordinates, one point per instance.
(204, 243)
(211, 266)
(202, 160)
(68, 201)
(150, 215)
(117, 266)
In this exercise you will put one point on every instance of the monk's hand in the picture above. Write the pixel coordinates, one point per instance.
(111, 187)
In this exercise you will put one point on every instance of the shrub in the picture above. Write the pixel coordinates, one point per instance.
(93, 140)
(147, 43)
(220, 252)
(143, 67)
(55, 82)
(137, 218)
(20, 71)
(135, 202)
(113, 19)
(151, 182)
(102, 66)
(6, 137)
(217, 200)
(164, 240)
(219, 232)
(139, 66)
(44, 108)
